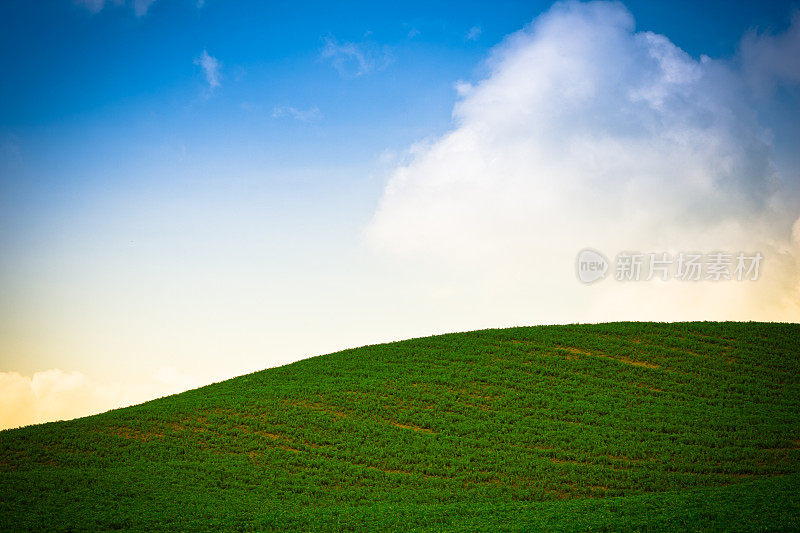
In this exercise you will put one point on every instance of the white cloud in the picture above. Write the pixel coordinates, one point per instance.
(57, 395)
(473, 33)
(587, 133)
(770, 60)
(93, 6)
(355, 59)
(140, 7)
(211, 69)
(303, 115)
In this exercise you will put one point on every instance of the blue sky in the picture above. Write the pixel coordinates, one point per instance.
(191, 190)
(81, 64)
(79, 82)
(86, 90)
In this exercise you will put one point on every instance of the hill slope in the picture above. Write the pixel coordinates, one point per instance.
(679, 426)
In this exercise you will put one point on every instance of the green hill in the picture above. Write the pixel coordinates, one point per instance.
(689, 426)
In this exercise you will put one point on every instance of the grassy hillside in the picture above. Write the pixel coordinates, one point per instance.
(690, 426)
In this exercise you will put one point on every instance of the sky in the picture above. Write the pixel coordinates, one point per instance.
(193, 190)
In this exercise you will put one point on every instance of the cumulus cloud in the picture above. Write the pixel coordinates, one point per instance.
(93, 6)
(588, 133)
(57, 395)
(770, 60)
(211, 68)
(140, 7)
(303, 115)
(355, 59)
(473, 33)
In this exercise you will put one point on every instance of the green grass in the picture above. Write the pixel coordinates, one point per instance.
(682, 427)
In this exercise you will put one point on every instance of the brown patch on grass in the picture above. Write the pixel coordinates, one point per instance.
(232, 447)
(626, 462)
(623, 458)
(629, 361)
(407, 403)
(254, 454)
(573, 350)
(130, 433)
(560, 493)
(277, 437)
(411, 426)
(626, 360)
(682, 351)
(395, 471)
(186, 424)
(221, 411)
(494, 481)
(368, 394)
(384, 469)
(479, 407)
(539, 447)
(247, 430)
(474, 392)
(566, 461)
(578, 352)
(22, 457)
(321, 407)
(715, 340)
(197, 424)
(481, 396)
